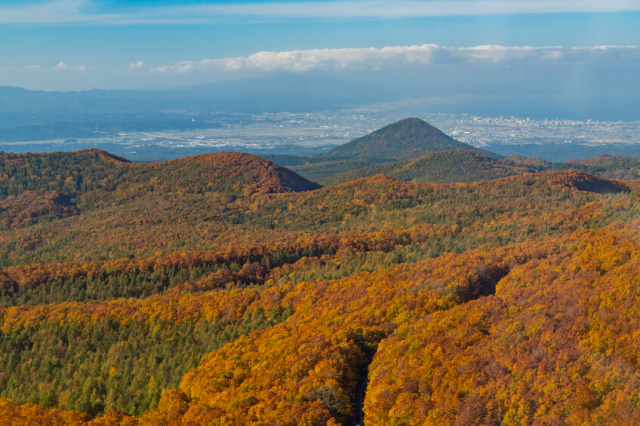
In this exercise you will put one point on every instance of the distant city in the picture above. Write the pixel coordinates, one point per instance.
(309, 133)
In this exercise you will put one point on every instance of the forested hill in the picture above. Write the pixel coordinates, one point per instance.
(82, 172)
(407, 139)
(45, 187)
(441, 167)
(234, 172)
(468, 166)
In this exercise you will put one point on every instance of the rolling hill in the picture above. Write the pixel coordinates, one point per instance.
(48, 186)
(81, 172)
(441, 167)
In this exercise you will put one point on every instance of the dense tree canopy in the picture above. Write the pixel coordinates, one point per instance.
(228, 291)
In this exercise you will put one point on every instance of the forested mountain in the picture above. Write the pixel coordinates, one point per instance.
(222, 289)
(404, 140)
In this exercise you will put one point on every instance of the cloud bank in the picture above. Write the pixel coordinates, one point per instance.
(371, 58)
(399, 56)
(90, 12)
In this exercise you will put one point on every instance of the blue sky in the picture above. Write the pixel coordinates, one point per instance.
(84, 44)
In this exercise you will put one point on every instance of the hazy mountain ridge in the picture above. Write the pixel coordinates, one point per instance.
(275, 93)
(35, 115)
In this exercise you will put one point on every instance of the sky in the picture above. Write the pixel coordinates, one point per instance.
(490, 45)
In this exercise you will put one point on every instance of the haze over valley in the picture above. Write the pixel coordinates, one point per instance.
(164, 136)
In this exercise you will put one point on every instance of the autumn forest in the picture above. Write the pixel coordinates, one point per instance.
(421, 281)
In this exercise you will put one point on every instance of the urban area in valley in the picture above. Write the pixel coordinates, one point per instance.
(309, 133)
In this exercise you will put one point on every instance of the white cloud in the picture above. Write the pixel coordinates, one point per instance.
(393, 56)
(136, 65)
(62, 66)
(87, 11)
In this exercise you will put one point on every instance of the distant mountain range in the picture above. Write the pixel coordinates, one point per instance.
(279, 93)
(31, 115)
